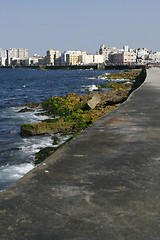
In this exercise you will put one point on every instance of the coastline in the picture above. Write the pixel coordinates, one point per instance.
(78, 106)
(22, 86)
(76, 67)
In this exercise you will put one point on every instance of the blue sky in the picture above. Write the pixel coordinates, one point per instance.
(79, 24)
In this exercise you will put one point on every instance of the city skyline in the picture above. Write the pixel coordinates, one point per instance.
(105, 55)
(84, 25)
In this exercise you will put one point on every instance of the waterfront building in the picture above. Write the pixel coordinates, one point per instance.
(90, 59)
(3, 61)
(80, 58)
(36, 60)
(50, 57)
(142, 55)
(107, 51)
(57, 59)
(86, 59)
(123, 58)
(98, 59)
(3, 57)
(16, 55)
(153, 57)
(71, 57)
(3, 53)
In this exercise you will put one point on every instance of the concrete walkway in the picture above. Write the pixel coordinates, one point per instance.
(103, 185)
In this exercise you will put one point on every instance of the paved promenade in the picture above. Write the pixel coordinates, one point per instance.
(103, 185)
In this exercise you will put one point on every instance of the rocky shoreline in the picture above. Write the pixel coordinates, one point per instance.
(73, 113)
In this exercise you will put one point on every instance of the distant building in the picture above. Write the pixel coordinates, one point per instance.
(50, 57)
(90, 59)
(107, 51)
(3, 53)
(98, 58)
(80, 58)
(86, 59)
(123, 58)
(3, 61)
(57, 59)
(142, 55)
(125, 48)
(71, 57)
(16, 55)
(36, 60)
(3, 57)
(153, 57)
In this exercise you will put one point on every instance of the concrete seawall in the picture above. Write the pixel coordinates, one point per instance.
(104, 184)
(76, 67)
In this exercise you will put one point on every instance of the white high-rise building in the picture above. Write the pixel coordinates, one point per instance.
(16, 54)
(71, 57)
(86, 59)
(3, 57)
(50, 56)
(125, 48)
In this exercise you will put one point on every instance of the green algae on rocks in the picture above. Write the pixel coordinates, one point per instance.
(127, 74)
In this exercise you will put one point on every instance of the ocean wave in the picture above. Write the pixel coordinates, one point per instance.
(34, 144)
(118, 80)
(10, 173)
(91, 87)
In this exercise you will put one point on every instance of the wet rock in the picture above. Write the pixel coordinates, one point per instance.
(55, 140)
(26, 110)
(45, 128)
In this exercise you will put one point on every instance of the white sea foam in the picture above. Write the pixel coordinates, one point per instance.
(103, 77)
(29, 117)
(90, 87)
(33, 144)
(118, 80)
(12, 173)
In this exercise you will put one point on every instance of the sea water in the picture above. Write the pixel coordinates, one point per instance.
(22, 86)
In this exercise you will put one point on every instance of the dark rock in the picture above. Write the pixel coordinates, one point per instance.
(26, 110)
(55, 140)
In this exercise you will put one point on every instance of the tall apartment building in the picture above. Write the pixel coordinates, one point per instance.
(16, 54)
(86, 59)
(57, 59)
(3, 57)
(72, 57)
(50, 56)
